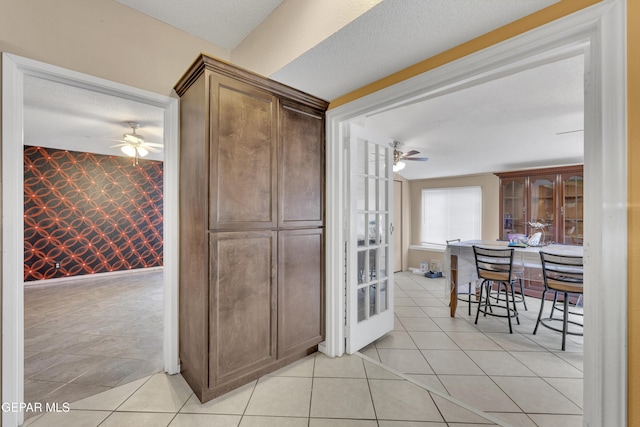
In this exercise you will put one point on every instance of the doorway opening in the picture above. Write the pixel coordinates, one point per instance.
(15, 69)
(598, 33)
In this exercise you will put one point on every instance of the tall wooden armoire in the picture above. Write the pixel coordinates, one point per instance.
(252, 218)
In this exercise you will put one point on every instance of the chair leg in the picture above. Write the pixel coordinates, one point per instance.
(469, 298)
(565, 320)
(555, 301)
(513, 300)
(506, 294)
(544, 297)
(479, 303)
(524, 301)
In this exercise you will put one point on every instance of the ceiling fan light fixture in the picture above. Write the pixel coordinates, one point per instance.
(132, 138)
(142, 151)
(129, 150)
(397, 167)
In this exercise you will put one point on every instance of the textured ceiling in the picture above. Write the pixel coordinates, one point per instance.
(506, 124)
(533, 118)
(70, 118)
(394, 35)
(222, 22)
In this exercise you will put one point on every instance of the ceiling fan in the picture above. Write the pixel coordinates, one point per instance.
(133, 144)
(399, 156)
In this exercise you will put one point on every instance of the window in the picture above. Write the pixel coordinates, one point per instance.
(451, 213)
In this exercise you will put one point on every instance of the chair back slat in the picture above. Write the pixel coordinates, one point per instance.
(494, 264)
(562, 272)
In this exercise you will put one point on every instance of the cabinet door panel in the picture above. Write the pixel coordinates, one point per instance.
(243, 156)
(513, 207)
(242, 304)
(300, 290)
(301, 166)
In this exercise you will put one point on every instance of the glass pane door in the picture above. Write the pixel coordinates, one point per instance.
(542, 207)
(369, 249)
(572, 208)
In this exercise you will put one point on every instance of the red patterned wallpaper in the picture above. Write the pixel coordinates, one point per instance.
(88, 213)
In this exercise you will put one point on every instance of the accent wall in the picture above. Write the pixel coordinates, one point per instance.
(87, 213)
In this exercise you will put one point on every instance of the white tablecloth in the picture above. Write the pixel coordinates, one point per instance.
(527, 257)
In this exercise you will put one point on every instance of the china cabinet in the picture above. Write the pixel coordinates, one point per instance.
(552, 197)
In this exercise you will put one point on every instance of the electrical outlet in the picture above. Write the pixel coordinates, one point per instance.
(57, 266)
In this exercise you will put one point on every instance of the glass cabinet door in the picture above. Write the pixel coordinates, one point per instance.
(513, 207)
(542, 210)
(572, 205)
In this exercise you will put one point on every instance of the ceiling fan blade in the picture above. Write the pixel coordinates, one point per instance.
(117, 145)
(153, 144)
(419, 159)
(153, 150)
(410, 153)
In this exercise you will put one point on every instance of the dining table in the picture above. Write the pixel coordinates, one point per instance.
(460, 265)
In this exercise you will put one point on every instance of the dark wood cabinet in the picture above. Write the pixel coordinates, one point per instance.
(552, 196)
(252, 198)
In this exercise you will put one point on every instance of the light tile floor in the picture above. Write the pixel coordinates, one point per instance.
(431, 371)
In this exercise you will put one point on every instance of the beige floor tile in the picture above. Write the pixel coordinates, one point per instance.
(385, 423)
(109, 400)
(431, 382)
(576, 359)
(513, 419)
(147, 419)
(437, 312)
(301, 368)
(419, 324)
(499, 363)
(397, 340)
(479, 392)
(376, 372)
(571, 388)
(371, 351)
(404, 302)
(403, 312)
(339, 367)
(547, 364)
(454, 413)
(333, 422)
(429, 302)
(433, 341)
(257, 421)
(72, 418)
(453, 324)
(161, 393)
(405, 361)
(341, 398)
(451, 362)
(281, 396)
(234, 402)
(418, 294)
(514, 342)
(111, 372)
(403, 401)
(473, 341)
(534, 395)
(205, 420)
(546, 420)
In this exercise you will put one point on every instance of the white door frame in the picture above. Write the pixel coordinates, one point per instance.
(14, 68)
(600, 33)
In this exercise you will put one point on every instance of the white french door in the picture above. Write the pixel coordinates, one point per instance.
(369, 278)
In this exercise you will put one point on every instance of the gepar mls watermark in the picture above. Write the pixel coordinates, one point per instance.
(35, 407)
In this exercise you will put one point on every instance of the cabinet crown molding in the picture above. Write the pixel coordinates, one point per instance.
(205, 62)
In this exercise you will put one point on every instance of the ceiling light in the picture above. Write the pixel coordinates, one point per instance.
(129, 150)
(142, 151)
(397, 167)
